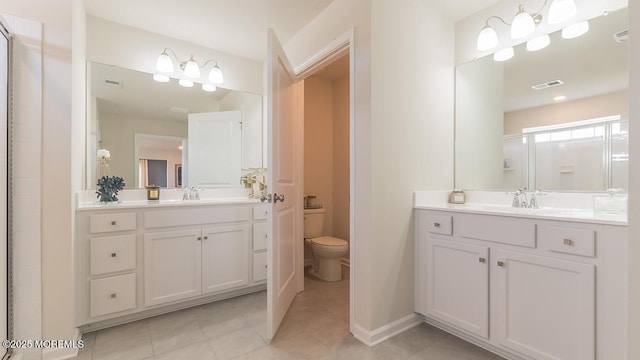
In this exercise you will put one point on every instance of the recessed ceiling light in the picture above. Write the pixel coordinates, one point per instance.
(560, 98)
(178, 109)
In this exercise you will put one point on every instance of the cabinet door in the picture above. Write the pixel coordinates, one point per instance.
(225, 257)
(458, 284)
(543, 307)
(172, 266)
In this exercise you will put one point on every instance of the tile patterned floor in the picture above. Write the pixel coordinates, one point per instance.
(316, 327)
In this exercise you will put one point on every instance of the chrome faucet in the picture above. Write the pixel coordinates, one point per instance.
(520, 199)
(191, 193)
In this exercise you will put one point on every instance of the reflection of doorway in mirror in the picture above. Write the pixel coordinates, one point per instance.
(178, 174)
(158, 147)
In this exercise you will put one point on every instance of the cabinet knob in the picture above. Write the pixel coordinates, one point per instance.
(199, 238)
(206, 237)
(113, 254)
(567, 242)
(501, 263)
(113, 222)
(482, 260)
(436, 225)
(113, 296)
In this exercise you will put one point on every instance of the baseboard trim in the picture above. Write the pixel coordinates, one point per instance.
(371, 338)
(63, 353)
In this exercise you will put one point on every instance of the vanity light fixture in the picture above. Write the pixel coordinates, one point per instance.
(190, 71)
(504, 54)
(524, 24)
(575, 30)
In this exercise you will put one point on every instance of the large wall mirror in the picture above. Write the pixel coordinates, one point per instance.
(148, 128)
(555, 119)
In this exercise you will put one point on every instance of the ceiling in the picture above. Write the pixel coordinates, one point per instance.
(236, 27)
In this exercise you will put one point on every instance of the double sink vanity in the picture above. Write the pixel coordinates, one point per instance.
(140, 258)
(547, 283)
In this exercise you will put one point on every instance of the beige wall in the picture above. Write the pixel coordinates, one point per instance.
(341, 158)
(117, 134)
(616, 103)
(326, 151)
(318, 145)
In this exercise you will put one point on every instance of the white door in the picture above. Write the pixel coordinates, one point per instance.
(457, 273)
(215, 149)
(284, 158)
(541, 307)
(225, 257)
(172, 266)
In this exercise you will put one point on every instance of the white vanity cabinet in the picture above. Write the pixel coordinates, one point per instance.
(139, 261)
(526, 288)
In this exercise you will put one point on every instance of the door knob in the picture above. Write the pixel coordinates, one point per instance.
(266, 198)
(277, 198)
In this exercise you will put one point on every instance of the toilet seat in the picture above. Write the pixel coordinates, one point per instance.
(328, 241)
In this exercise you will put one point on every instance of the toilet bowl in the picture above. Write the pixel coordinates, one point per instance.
(326, 251)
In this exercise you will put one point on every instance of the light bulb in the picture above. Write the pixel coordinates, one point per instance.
(538, 43)
(561, 11)
(503, 55)
(215, 75)
(487, 39)
(161, 78)
(164, 63)
(191, 68)
(522, 24)
(209, 87)
(575, 30)
(185, 83)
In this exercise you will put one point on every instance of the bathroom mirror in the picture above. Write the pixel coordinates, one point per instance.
(144, 125)
(570, 134)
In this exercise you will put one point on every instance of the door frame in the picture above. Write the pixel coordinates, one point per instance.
(340, 46)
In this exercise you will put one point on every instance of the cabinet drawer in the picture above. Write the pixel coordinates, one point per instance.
(568, 240)
(112, 222)
(112, 253)
(440, 224)
(500, 229)
(195, 216)
(260, 266)
(260, 212)
(113, 294)
(259, 236)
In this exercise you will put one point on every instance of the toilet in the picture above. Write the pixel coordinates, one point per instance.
(326, 250)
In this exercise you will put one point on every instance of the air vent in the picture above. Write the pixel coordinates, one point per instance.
(113, 83)
(547, 85)
(621, 36)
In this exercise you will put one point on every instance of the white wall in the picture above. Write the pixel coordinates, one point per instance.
(412, 138)
(479, 125)
(131, 48)
(634, 186)
(57, 189)
(616, 103)
(26, 177)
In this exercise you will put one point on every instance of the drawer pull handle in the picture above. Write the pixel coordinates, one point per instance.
(113, 254)
(482, 260)
(436, 225)
(567, 242)
(113, 296)
(501, 263)
(113, 222)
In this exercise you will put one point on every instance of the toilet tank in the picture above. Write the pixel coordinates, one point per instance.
(313, 222)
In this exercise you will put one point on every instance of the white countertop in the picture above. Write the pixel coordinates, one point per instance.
(437, 201)
(137, 198)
